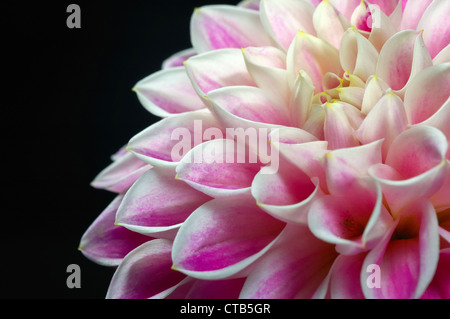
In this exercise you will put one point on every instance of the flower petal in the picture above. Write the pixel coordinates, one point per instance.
(267, 66)
(167, 141)
(104, 242)
(329, 23)
(414, 10)
(287, 194)
(314, 56)
(436, 26)
(439, 287)
(345, 282)
(250, 103)
(224, 26)
(385, 121)
(217, 69)
(357, 54)
(374, 90)
(301, 99)
(396, 58)
(219, 168)
(157, 204)
(156, 93)
(223, 237)
(120, 174)
(344, 166)
(178, 58)
(408, 255)
(415, 166)
(294, 268)
(427, 92)
(144, 272)
(283, 18)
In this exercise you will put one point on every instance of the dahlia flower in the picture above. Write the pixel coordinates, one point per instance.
(302, 153)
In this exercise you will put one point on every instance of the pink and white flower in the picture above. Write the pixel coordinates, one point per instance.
(354, 97)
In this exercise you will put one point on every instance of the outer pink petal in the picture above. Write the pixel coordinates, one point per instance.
(385, 121)
(441, 199)
(224, 26)
(436, 26)
(314, 56)
(253, 104)
(407, 256)
(414, 10)
(439, 287)
(157, 204)
(178, 58)
(345, 282)
(283, 19)
(167, 141)
(223, 237)
(121, 174)
(219, 168)
(107, 244)
(144, 272)
(427, 92)
(157, 93)
(294, 268)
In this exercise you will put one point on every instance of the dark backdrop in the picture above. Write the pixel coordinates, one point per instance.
(67, 105)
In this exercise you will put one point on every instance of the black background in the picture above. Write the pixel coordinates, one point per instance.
(67, 105)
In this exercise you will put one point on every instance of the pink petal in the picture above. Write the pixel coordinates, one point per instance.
(144, 272)
(294, 268)
(345, 282)
(293, 144)
(436, 26)
(407, 256)
(414, 10)
(157, 93)
(224, 26)
(387, 6)
(441, 199)
(415, 166)
(267, 66)
(167, 141)
(178, 58)
(223, 237)
(396, 58)
(104, 242)
(382, 27)
(300, 103)
(217, 69)
(253, 104)
(354, 222)
(357, 54)
(250, 4)
(283, 18)
(385, 121)
(341, 121)
(157, 204)
(313, 55)
(219, 168)
(287, 194)
(443, 56)
(209, 289)
(346, 8)
(439, 287)
(374, 90)
(427, 92)
(329, 23)
(121, 174)
(344, 166)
